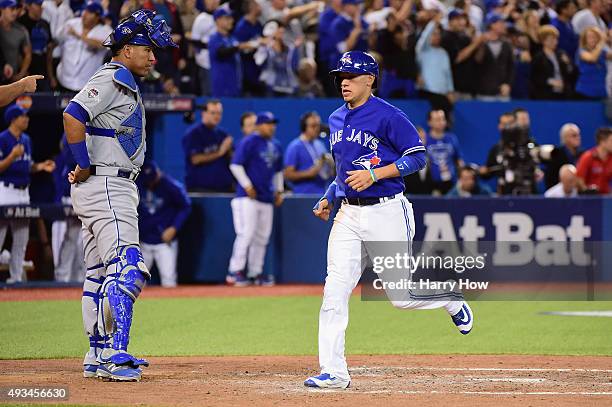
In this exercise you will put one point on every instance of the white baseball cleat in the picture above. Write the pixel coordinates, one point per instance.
(464, 319)
(326, 381)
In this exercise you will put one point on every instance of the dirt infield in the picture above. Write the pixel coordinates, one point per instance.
(377, 380)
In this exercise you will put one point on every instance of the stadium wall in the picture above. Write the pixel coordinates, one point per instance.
(475, 123)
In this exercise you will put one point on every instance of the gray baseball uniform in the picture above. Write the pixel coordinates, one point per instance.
(106, 202)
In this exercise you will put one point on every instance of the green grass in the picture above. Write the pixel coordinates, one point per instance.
(288, 326)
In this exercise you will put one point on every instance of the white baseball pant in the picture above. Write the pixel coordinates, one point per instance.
(253, 226)
(164, 255)
(390, 221)
(20, 229)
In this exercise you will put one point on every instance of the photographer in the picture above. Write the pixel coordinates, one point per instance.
(511, 159)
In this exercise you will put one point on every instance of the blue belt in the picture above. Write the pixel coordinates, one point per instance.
(97, 131)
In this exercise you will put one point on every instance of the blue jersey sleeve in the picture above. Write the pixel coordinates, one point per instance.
(402, 135)
(183, 204)
(291, 155)
(191, 143)
(241, 154)
(457, 155)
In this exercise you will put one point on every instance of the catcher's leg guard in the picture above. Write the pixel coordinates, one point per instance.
(126, 276)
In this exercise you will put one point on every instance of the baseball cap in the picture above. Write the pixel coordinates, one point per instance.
(39, 2)
(148, 171)
(12, 112)
(94, 7)
(266, 117)
(8, 4)
(454, 13)
(221, 12)
(493, 18)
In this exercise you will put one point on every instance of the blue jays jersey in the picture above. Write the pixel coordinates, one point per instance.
(443, 154)
(18, 173)
(164, 206)
(214, 175)
(261, 159)
(372, 135)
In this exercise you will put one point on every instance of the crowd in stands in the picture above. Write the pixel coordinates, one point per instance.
(441, 50)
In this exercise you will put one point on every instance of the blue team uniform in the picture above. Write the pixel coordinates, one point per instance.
(261, 159)
(18, 173)
(302, 155)
(225, 75)
(373, 135)
(443, 154)
(166, 205)
(340, 30)
(214, 175)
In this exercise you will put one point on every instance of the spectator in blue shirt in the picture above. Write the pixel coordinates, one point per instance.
(591, 62)
(308, 164)
(225, 71)
(468, 185)
(326, 44)
(15, 167)
(568, 39)
(249, 29)
(443, 153)
(349, 32)
(207, 151)
(163, 208)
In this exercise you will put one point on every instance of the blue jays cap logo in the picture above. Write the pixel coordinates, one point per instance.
(346, 59)
(125, 30)
(368, 161)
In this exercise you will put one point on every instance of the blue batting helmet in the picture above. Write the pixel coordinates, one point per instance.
(143, 27)
(358, 63)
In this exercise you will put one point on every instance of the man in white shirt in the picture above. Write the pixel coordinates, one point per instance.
(203, 27)
(57, 13)
(589, 17)
(566, 188)
(82, 49)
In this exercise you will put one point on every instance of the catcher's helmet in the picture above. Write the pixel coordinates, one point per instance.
(356, 62)
(143, 27)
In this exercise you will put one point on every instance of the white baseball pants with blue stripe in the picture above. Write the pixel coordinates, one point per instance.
(390, 221)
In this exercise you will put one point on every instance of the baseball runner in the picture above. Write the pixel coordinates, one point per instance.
(257, 166)
(15, 167)
(105, 127)
(374, 145)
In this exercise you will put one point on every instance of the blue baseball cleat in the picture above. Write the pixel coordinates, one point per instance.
(464, 319)
(237, 279)
(90, 370)
(112, 372)
(326, 381)
(266, 280)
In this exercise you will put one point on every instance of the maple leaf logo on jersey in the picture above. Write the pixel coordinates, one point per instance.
(368, 161)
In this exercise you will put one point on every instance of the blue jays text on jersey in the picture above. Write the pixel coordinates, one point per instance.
(372, 135)
(18, 173)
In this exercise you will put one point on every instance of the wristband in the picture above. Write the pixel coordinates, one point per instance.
(79, 152)
(373, 175)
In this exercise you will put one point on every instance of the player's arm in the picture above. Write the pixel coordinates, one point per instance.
(203, 158)
(183, 208)
(16, 152)
(361, 180)
(10, 92)
(75, 117)
(323, 207)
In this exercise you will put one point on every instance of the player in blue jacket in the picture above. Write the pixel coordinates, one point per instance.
(163, 208)
(374, 145)
(15, 167)
(258, 167)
